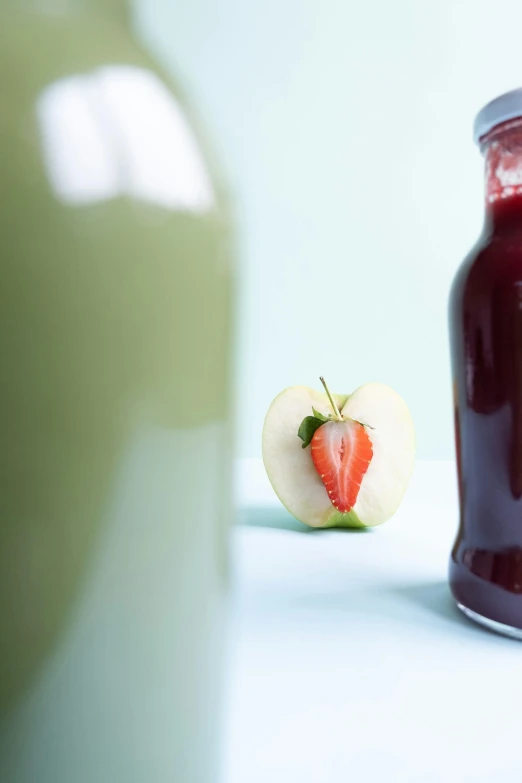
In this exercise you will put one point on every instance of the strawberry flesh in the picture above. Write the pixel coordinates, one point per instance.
(342, 452)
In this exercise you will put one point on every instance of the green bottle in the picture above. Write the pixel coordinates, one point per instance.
(115, 304)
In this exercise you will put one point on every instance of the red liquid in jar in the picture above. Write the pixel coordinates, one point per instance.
(486, 343)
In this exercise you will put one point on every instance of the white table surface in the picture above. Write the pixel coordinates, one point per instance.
(349, 661)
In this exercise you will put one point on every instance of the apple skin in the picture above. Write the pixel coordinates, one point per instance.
(293, 476)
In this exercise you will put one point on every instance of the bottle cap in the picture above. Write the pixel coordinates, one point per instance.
(505, 107)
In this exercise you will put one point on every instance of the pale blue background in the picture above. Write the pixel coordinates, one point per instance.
(344, 129)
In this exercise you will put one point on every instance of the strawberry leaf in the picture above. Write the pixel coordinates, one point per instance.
(309, 426)
(320, 416)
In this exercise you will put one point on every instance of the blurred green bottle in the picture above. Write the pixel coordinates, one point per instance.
(115, 306)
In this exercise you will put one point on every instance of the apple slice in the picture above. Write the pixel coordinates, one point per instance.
(360, 460)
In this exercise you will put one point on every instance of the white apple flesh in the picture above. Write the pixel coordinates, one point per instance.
(292, 473)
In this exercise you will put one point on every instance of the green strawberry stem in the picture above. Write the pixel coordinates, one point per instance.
(332, 401)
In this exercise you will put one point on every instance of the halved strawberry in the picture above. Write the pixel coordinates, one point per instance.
(342, 452)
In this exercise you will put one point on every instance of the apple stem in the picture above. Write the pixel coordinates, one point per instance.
(332, 401)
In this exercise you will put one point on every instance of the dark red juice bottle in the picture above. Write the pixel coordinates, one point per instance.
(486, 346)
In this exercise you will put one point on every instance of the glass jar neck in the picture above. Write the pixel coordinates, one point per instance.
(116, 9)
(502, 149)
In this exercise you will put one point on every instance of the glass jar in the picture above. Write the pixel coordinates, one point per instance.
(486, 343)
(115, 305)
